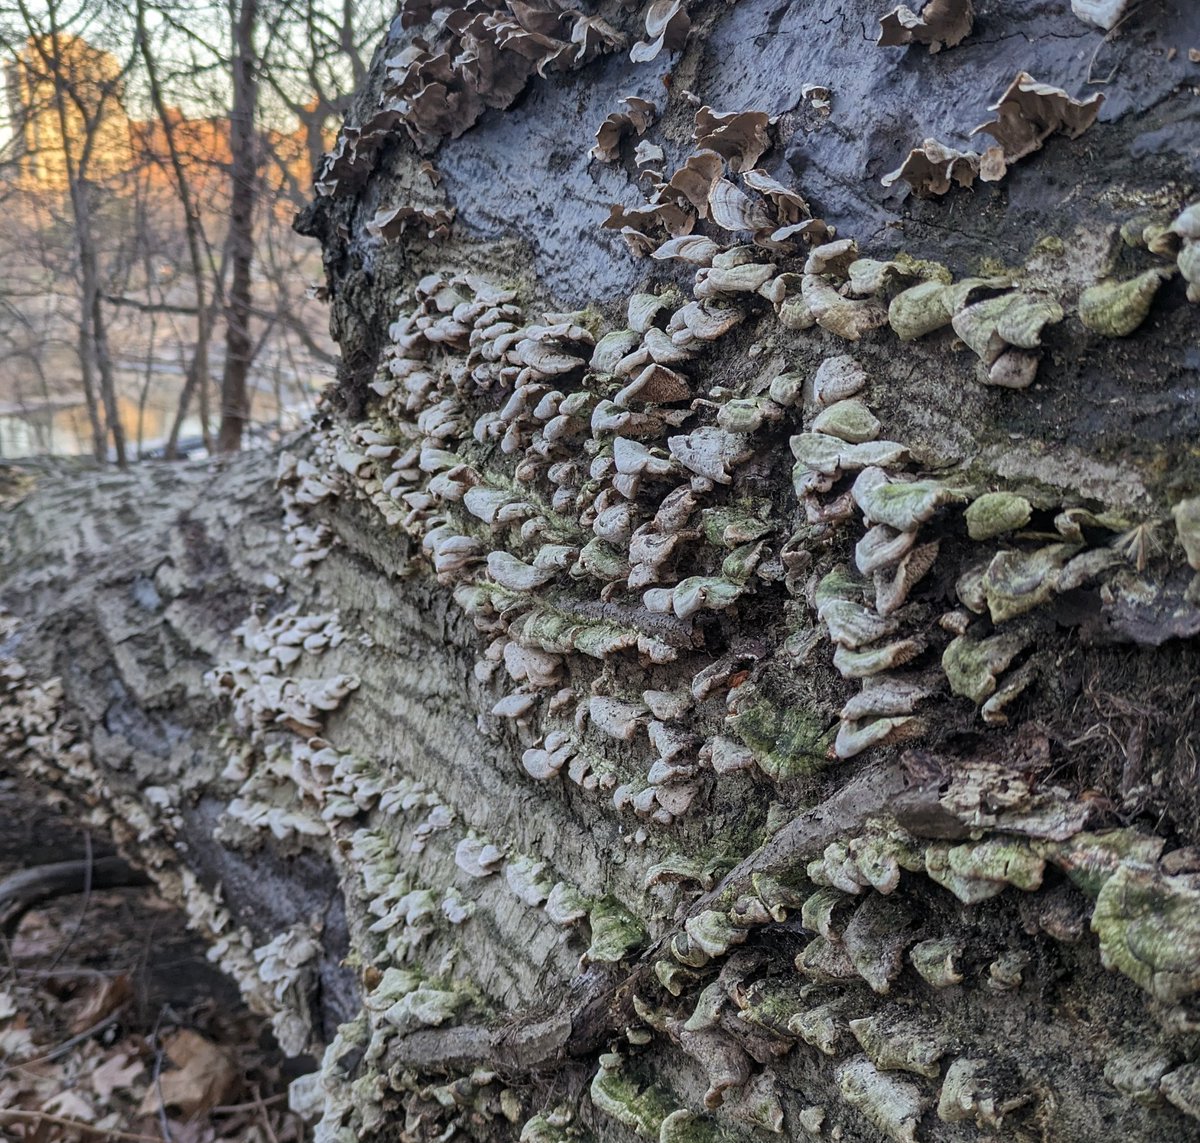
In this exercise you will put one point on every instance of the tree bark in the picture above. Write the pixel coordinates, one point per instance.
(555, 764)
(243, 140)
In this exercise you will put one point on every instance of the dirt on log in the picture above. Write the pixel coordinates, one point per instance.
(723, 661)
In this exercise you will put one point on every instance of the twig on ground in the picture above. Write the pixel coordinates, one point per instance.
(236, 1108)
(1107, 39)
(263, 1115)
(78, 1125)
(10, 965)
(164, 1125)
(88, 871)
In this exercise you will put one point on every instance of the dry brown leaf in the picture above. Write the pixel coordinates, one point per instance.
(70, 1105)
(204, 1077)
(117, 1073)
(33, 941)
(105, 999)
(194, 1131)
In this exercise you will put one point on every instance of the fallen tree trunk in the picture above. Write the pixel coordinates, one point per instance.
(703, 695)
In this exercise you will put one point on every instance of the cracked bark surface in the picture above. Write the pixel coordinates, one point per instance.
(936, 939)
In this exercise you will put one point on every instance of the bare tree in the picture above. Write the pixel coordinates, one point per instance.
(243, 199)
(225, 183)
(84, 99)
(197, 370)
(315, 57)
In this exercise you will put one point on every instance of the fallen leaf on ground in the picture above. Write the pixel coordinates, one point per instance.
(103, 1001)
(204, 1076)
(194, 1131)
(8, 1006)
(70, 1105)
(117, 1073)
(16, 1041)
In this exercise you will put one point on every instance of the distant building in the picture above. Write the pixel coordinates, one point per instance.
(203, 149)
(66, 98)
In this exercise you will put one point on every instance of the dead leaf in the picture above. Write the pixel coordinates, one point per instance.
(194, 1131)
(204, 1077)
(8, 1005)
(16, 1041)
(107, 998)
(117, 1073)
(70, 1105)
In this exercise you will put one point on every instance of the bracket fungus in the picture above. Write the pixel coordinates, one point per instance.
(936, 961)
(1104, 14)
(1186, 227)
(894, 1106)
(849, 420)
(1187, 527)
(876, 938)
(635, 121)
(969, 1095)
(667, 25)
(479, 60)
(933, 168)
(1148, 925)
(663, 628)
(615, 932)
(895, 1041)
(388, 225)
(1027, 114)
(1116, 309)
(1005, 333)
(1181, 1088)
(836, 379)
(739, 137)
(733, 210)
(941, 24)
(900, 504)
(995, 513)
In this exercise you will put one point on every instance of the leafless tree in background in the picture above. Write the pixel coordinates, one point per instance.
(244, 176)
(198, 366)
(58, 62)
(173, 265)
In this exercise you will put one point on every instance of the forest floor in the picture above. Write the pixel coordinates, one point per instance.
(113, 1025)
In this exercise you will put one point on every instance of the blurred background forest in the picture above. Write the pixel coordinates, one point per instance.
(154, 300)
